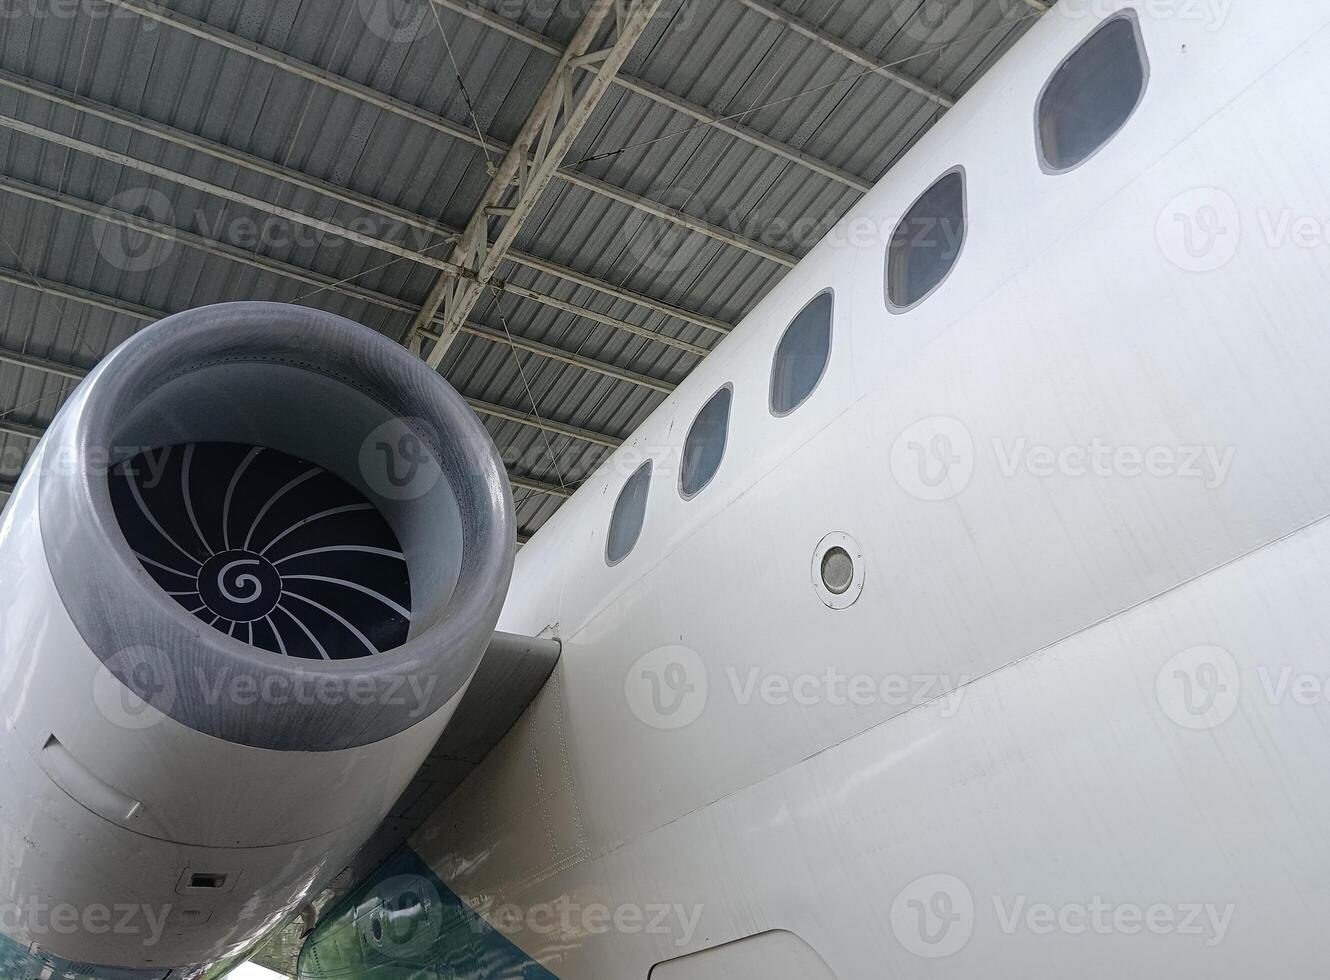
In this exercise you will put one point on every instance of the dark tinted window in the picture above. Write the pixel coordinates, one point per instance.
(1092, 95)
(630, 511)
(705, 446)
(801, 356)
(927, 242)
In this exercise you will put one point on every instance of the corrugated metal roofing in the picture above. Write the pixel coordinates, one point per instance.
(299, 87)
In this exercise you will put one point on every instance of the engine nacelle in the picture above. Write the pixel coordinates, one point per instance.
(244, 582)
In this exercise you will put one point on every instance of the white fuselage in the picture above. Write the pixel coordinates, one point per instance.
(1122, 593)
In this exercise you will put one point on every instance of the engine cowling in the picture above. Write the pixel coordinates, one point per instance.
(244, 582)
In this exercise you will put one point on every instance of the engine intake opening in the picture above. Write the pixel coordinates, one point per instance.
(267, 548)
(318, 496)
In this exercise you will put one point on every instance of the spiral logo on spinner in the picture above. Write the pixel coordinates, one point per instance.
(268, 548)
(240, 586)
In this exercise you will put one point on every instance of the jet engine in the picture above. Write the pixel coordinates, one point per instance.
(244, 582)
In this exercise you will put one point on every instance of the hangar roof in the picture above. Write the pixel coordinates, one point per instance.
(160, 156)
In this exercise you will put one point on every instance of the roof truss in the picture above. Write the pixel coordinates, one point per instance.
(555, 122)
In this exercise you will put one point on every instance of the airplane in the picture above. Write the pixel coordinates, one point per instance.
(961, 615)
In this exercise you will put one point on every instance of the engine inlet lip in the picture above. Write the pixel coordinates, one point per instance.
(132, 626)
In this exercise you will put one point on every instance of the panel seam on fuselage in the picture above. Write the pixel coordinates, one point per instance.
(1147, 600)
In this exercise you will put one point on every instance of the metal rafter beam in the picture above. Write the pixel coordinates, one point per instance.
(537, 422)
(555, 122)
(72, 294)
(230, 253)
(846, 50)
(11, 428)
(386, 103)
(61, 369)
(539, 486)
(245, 161)
(726, 124)
(226, 193)
(567, 357)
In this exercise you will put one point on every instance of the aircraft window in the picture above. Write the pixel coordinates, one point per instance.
(705, 446)
(1092, 94)
(802, 355)
(630, 511)
(927, 242)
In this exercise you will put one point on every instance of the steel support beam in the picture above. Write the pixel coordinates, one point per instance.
(228, 194)
(69, 293)
(386, 103)
(480, 407)
(516, 187)
(566, 357)
(230, 253)
(536, 422)
(11, 428)
(862, 58)
(538, 486)
(64, 293)
(726, 124)
(45, 364)
(731, 126)
(245, 161)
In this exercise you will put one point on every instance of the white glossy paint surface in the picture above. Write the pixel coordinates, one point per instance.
(1067, 611)
(279, 824)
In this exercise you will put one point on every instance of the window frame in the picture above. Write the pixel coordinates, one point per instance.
(892, 305)
(826, 363)
(650, 466)
(1129, 14)
(724, 445)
